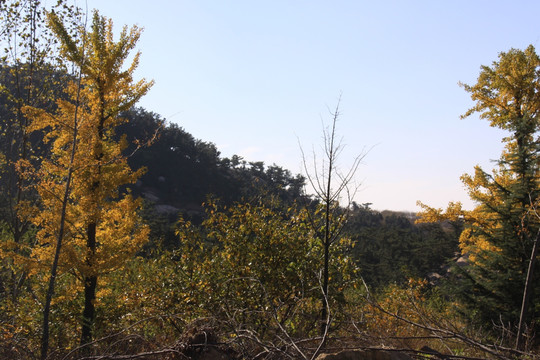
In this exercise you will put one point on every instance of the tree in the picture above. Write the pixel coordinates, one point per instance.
(27, 79)
(384, 242)
(330, 186)
(103, 228)
(500, 232)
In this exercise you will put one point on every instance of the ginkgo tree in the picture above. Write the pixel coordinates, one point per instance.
(102, 228)
(500, 234)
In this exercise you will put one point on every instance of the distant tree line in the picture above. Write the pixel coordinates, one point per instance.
(183, 171)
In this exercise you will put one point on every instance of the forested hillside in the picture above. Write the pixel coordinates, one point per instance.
(122, 236)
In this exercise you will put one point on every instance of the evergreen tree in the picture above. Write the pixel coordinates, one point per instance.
(500, 232)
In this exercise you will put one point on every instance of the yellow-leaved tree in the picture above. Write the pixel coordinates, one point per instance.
(79, 185)
(500, 235)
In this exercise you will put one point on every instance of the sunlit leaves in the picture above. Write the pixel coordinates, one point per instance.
(82, 211)
(498, 234)
(258, 264)
(508, 90)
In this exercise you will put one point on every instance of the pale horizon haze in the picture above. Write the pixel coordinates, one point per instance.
(258, 78)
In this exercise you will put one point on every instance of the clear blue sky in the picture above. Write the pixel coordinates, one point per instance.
(257, 77)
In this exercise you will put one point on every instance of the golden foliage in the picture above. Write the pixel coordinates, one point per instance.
(87, 164)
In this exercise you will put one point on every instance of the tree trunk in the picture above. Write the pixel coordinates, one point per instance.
(527, 294)
(60, 235)
(324, 304)
(54, 268)
(90, 285)
(89, 312)
(326, 272)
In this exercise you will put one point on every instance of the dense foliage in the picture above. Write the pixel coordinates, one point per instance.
(390, 248)
(182, 171)
(121, 233)
(500, 235)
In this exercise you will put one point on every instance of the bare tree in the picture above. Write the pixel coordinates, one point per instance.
(334, 190)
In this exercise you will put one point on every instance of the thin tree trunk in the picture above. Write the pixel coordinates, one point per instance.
(324, 299)
(54, 269)
(61, 230)
(326, 272)
(527, 294)
(328, 198)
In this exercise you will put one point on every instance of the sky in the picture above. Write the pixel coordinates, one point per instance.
(260, 78)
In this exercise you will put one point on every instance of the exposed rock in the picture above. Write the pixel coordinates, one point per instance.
(434, 278)
(463, 260)
(166, 209)
(150, 196)
(365, 355)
